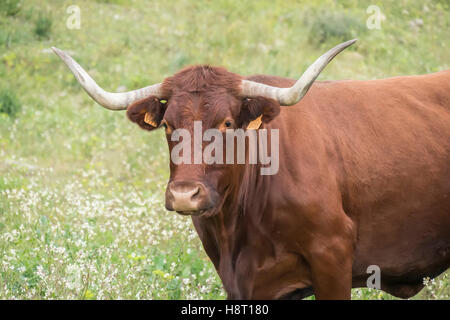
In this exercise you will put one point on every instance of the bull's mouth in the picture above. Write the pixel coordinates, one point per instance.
(196, 213)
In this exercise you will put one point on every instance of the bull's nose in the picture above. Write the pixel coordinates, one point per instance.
(186, 196)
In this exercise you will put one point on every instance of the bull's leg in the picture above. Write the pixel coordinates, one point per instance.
(329, 252)
(331, 269)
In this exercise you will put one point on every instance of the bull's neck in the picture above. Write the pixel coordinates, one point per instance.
(236, 226)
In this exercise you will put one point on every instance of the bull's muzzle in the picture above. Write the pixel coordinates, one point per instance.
(188, 197)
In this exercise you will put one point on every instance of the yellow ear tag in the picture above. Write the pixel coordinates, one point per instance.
(255, 124)
(149, 119)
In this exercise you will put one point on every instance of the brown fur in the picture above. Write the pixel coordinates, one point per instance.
(364, 179)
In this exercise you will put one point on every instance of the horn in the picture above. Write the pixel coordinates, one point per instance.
(292, 95)
(109, 100)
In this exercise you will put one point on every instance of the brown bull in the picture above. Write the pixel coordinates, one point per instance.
(364, 177)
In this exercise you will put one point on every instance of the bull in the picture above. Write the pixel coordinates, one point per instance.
(363, 179)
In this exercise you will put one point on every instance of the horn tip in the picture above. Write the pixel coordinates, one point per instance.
(58, 52)
(346, 44)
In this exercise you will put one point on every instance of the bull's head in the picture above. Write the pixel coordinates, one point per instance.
(212, 95)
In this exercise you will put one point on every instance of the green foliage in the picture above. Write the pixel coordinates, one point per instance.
(43, 26)
(333, 27)
(9, 104)
(5, 38)
(10, 7)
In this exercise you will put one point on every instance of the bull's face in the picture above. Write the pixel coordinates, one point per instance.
(211, 96)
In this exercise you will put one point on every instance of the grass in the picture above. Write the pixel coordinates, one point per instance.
(10, 7)
(82, 189)
(9, 104)
(43, 26)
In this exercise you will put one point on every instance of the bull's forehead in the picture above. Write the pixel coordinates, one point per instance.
(203, 93)
(202, 78)
(209, 107)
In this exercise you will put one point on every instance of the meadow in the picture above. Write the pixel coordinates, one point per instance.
(82, 188)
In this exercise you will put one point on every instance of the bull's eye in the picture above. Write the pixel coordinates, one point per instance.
(228, 123)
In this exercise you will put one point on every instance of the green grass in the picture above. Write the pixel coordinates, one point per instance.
(43, 26)
(9, 104)
(82, 188)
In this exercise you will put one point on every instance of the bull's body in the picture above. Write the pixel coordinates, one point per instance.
(364, 179)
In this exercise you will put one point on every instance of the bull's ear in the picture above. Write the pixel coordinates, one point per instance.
(147, 113)
(252, 108)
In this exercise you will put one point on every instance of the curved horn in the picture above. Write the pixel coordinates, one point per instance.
(109, 100)
(292, 95)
